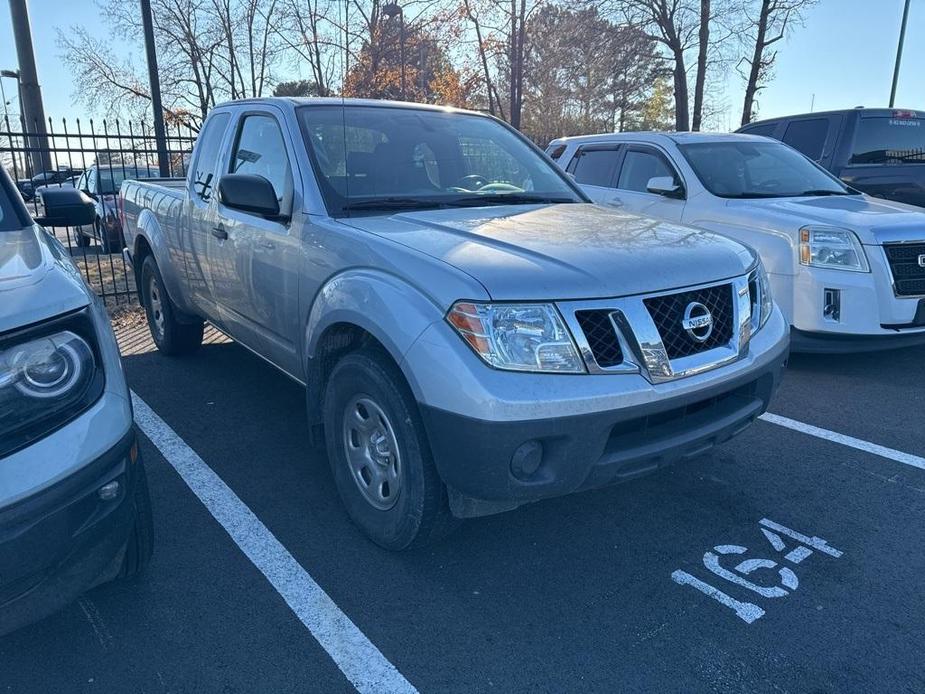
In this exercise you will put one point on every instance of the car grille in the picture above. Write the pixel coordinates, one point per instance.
(908, 275)
(668, 313)
(601, 337)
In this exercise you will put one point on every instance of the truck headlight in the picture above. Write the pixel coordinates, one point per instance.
(47, 376)
(517, 337)
(765, 301)
(837, 249)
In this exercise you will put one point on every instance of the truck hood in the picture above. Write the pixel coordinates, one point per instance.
(874, 221)
(565, 251)
(37, 279)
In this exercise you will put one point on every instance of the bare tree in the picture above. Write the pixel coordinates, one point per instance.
(775, 18)
(674, 24)
(703, 47)
(208, 51)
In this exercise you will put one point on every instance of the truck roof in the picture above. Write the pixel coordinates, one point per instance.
(862, 111)
(338, 101)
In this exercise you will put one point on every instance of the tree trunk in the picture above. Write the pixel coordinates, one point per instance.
(681, 99)
(754, 73)
(701, 63)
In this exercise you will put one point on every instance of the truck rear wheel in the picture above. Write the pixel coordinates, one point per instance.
(379, 454)
(170, 335)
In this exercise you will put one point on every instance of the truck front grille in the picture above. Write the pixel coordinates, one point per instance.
(668, 315)
(601, 337)
(908, 273)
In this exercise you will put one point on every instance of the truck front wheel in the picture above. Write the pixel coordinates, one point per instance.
(379, 454)
(170, 335)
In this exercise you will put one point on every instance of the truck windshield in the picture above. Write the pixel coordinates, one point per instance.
(375, 158)
(758, 170)
(889, 141)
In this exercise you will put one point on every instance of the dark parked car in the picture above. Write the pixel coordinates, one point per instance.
(879, 151)
(58, 176)
(102, 184)
(26, 188)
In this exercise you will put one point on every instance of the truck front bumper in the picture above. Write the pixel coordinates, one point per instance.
(544, 435)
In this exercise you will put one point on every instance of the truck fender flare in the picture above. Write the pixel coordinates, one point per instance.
(149, 230)
(390, 309)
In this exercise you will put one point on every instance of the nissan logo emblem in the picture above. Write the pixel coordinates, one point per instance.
(922, 260)
(698, 321)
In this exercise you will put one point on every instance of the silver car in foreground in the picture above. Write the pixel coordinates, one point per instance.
(473, 334)
(74, 509)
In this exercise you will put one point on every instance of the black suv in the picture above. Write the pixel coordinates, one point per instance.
(879, 151)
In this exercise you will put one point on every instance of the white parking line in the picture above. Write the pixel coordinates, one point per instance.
(850, 441)
(360, 661)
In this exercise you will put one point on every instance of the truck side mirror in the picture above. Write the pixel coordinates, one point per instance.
(248, 193)
(66, 207)
(665, 185)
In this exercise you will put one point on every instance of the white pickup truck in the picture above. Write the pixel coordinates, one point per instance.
(473, 334)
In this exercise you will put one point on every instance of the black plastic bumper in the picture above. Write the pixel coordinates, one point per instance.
(492, 466)
(65, 540)
(832, 343)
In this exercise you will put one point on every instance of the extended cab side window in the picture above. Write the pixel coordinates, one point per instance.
(808, 136)
(203, 170)
(261, 151)
(641, 165)
(595, 166)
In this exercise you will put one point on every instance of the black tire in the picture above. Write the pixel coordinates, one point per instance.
(81, 239)
(110, 241)
(420, 513)
(171, 336)
(140, 545)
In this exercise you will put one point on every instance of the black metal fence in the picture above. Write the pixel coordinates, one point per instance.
(95, 156)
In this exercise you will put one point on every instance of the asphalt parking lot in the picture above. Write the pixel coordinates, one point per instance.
(610, 590)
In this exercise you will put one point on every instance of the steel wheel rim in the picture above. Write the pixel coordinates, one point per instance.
(155, 307)
(371, 449)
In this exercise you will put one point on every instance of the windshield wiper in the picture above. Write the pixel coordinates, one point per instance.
(507, 199)
(823, 191)
(393, 203)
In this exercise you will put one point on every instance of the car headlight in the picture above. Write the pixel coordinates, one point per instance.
(47, 376)
(838, 249)
(517, 337)
(762, 300)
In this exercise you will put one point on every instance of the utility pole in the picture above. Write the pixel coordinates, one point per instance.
(899, 53)
(30, 94)
(160, 135)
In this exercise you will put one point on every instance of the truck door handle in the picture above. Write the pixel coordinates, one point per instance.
(269, 245)
(219, 232)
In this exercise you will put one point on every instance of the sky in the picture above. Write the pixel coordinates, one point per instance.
(840, 58)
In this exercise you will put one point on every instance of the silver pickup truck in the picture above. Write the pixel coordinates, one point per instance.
(472, 333)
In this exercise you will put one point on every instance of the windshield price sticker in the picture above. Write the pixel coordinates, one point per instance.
(791, 548)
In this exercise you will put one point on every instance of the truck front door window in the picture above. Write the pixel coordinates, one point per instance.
(261, 151)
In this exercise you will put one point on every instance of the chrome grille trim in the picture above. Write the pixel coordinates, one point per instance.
(641, 344)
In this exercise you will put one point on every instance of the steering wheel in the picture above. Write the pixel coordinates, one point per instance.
(471, 182)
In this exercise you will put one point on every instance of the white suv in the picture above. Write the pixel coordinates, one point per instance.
(847, 270)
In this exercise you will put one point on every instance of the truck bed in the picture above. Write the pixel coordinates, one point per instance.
(162, 197)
